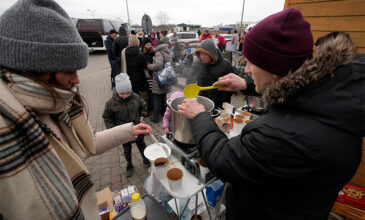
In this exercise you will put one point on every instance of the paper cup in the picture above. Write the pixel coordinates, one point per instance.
(174, 178)
(204, 170)
(238, 125)
(247, 115)
(161, 166)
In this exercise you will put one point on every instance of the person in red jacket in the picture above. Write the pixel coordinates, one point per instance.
(206, 35)
(221, 43)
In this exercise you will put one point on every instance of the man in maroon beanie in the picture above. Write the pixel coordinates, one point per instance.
(291, 162)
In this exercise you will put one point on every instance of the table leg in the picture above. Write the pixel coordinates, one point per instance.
(221, 200)
(206, 205)
(196, 204)
(184, 208)
(177, 208)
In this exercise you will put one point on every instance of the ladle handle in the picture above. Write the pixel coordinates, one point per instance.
(210, 87)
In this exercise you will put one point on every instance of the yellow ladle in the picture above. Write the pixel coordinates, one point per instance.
(192, 90)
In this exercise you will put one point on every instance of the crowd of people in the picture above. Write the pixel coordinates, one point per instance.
(290, 163)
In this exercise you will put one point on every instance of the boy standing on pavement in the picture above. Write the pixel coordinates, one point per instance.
(126, 106)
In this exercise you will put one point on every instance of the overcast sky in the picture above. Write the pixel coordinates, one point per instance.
(201, 12)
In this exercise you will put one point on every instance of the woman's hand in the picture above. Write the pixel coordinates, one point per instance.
(167, 130)
(190, 108)
(231, 82)
(141, 129)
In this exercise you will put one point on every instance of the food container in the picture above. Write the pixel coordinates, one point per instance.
(180, 125)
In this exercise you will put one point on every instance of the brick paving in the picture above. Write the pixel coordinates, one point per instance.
(108, 169)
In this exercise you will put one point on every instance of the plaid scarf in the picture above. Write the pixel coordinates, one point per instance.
(27, 145)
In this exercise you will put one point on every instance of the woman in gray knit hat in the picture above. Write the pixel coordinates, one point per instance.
(44, 131)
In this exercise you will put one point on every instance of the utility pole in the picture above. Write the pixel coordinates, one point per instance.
(243, 9)
(126, 1)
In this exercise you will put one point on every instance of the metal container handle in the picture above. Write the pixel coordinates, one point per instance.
(168, 102)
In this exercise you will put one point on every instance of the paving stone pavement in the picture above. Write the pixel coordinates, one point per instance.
(108, 169)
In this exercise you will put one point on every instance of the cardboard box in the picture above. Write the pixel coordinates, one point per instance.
(105, 202)
(352, 195)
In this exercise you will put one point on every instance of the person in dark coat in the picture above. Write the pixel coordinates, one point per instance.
(136, 64)
(126, 106)
(208, 68)
(149, 53)
(119, 44)
(109, 46)
(291, 162)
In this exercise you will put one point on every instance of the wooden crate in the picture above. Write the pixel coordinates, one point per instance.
(326, 16)
(348, 211)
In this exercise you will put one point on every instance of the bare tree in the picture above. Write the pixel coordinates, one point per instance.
(162, 17)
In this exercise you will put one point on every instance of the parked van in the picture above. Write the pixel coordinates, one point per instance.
(95, 31)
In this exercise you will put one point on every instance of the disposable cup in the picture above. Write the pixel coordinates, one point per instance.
(239, 116)
(174, 178)
(204, 170)
(247, 115)
(161, 166)
(238, 125)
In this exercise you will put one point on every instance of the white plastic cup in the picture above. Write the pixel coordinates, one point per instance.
(174, 178)
(161, 166)
(247, 115)
(204, 170)
(238, 125)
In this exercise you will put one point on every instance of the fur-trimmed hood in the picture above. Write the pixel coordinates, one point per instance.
(333, 53)
(329, 88)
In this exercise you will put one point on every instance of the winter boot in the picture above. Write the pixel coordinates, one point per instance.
(129, 170)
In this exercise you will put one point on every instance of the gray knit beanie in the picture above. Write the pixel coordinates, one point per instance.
(122, 83)
(38, 35)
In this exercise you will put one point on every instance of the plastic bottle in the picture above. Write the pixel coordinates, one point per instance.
(138, 208)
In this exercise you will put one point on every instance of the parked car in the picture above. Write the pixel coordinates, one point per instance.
(187, 39)
(95, 31)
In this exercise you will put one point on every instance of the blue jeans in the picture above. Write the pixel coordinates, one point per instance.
(234, 49)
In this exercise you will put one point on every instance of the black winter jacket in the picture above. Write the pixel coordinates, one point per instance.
(136, 64)
(119, 111)
(119, 44)
(291, 162)
(207, 74)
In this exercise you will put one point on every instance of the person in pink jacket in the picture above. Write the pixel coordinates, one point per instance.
(167, 116)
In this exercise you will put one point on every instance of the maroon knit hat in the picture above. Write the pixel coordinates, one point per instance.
(280, 43)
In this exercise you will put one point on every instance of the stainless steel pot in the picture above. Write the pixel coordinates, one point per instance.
(256, 103)
(180, 125)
